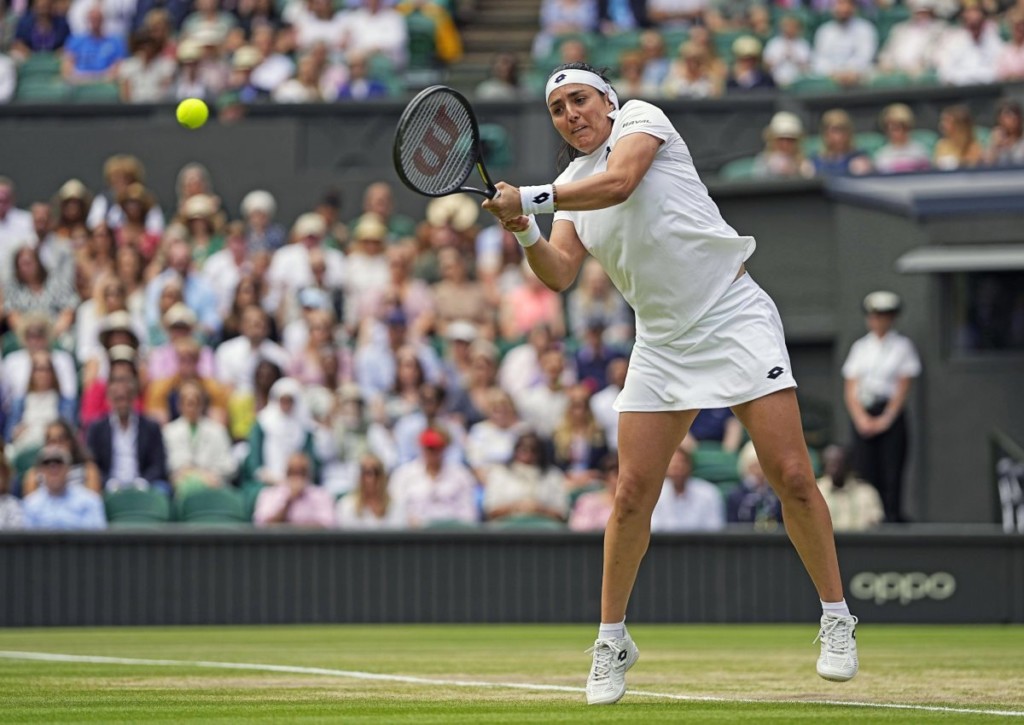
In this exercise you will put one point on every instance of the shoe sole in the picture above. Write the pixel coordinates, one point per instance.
(836, 676)
(619, 695)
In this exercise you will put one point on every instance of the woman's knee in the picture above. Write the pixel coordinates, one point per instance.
(635, 496)
(794, 480)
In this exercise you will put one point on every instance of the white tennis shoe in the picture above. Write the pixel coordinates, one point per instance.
(612, 657)
(838, 659)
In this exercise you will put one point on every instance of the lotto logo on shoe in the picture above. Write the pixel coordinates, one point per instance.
(905, 588)
(622, 655)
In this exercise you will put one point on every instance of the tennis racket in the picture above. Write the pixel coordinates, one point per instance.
(437, 144)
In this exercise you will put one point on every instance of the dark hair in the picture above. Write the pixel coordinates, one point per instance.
(79, 453)
(540, 445)
(566, 152)
(39, 263)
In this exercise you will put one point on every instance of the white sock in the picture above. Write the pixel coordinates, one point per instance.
(835, 607)
(612, 631)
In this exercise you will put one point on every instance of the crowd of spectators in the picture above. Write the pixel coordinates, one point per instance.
(379, 372)
(227, 52)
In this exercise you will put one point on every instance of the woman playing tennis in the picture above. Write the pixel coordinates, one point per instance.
(707, 337)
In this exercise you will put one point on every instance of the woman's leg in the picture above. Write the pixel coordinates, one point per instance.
(773, 423)
(646, 444)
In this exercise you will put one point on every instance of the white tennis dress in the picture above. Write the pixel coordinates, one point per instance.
(703, 340)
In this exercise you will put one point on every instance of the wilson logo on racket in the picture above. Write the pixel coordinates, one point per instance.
(440, 139)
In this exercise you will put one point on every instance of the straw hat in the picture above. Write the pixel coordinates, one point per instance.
(458, 210)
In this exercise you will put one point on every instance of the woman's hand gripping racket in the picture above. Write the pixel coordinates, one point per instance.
(437, 144)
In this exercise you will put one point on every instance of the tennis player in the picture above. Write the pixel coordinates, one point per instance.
(707, 337)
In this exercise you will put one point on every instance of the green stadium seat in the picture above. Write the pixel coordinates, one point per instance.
(535, 523)
(451, 525)
(715, 465)
(133, 506)
(811, 145)
(673, 39)
(926, 137)
(251, 492)
(890, 80)
(40, 65)
(982, 133)
(608, 52)
(868, 141)
(41, 90)
(24, 461)
(724, 40)
(738, 169)
(575, 494)
(497, 150)
(214, 506)
(814, 84)
(96, 93)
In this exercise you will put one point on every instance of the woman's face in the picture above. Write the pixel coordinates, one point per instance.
(128, 264)
(897, 131)
(1010, 122)
(193, 183)
(72, 211)
(191, 404)
(56, 436)
(837, 138)
(102, 240)
(527, 451)
(319, 331)
(580, 115)
(409, 372)
(371, 478)
(28, 266)
(880, 323)
(114, 297)
(245, 294)
(42, 373)
(787, 146)
(287, 404)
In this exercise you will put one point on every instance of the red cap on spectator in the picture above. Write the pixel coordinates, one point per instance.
(431, 438)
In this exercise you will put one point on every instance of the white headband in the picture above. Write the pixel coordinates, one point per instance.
(575, 75)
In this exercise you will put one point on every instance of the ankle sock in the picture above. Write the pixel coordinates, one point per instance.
(616, 630)
(835, 607)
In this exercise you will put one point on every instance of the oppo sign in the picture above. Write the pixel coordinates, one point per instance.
(894, 586)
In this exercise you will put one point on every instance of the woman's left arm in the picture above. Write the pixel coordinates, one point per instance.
(627, 164)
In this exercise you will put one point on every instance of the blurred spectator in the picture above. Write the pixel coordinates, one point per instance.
(93, 56)
(359, 86)
(901, 153)
(472, 401)
(291, 267)
(615, 16)
(578, 441)
(690, 76)
(853, 504)
(195, 291)
(838, 156)
(320, 361)
(403, 395)
(656, 62)
(240, 83)
(11, 516)
(82, 471)
(208, 19)
(352, 434)
(414, 296)
(432, 489)
(593, 509)
(245, 405)
(687, 503)
(116, 333)
(157, 23)
(754, 501)
(676, 13)
(520, 366)
(213, 71)
(59, 504)
(845, 46)
(147, 76)
(366, 269)
(72, 203)
(912, 45)
(429, 413)
(29, 415)
(295, 500)
(456, 363)
(456, 296)
(717, 425)
(788, 55)
(136, 202)
(173, 10)
(223, 269)
(958, 147)
(1010, 63)
(1005, 142)
(117, 16)
(503, 82)
(282, 428)
(375, 28)
(189, 82)
(593, 355)
(378, 199)
(315, 21)
(254, 15)
(970, 52)
(275, 48)
(378, 365)
(543, 406)
(193, 180)
(563, 17)
(529, 485)
(296, 334)
(530, 304)
(128, 447)
(723, 16)
(236, 359)
(498, 262)
(492, 440)
(163, 397)
(198, 447)
(41, 30)
(200, 215)
(370, 506)
(433, 40)
(33, 289)
(782, 157)
(630, 81)
(120, 171)
(602, 403)
(180, 323)
(250, 291)
(16, 228)
(878, 374)
(748, 74)
(35, 334)
(262, 233)
(718, 70)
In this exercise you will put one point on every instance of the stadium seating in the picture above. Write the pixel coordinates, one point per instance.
(737, 169)
(134, 507)
(96, 93)
(536, 523)
(713, 464)
(213, 506)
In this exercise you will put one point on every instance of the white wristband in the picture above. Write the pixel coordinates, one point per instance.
(537, 199)
(530, 236)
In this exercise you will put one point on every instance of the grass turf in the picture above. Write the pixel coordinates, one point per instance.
(974, 667)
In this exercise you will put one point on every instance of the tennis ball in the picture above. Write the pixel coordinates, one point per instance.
(192, 113)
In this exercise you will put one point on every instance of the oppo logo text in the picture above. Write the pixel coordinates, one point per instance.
(894, 586)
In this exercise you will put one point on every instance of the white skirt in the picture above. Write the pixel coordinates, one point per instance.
(734, 354)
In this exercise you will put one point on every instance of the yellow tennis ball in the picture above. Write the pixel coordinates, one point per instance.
(192, 113)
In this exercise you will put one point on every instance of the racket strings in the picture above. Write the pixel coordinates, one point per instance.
(454, 135)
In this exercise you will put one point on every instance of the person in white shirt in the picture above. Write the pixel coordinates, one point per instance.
(878, 374)
(707, 336)
(845, 46)
(602, 403)
(291, 269)
(235, 360)
(376, 28)
(971, 52)
(854, 504)
(911, 46)
(198, 447)
(16, 228)
(8, 78)
(788, 55)
(687, 503)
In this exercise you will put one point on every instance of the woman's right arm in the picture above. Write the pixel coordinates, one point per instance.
(557, 261)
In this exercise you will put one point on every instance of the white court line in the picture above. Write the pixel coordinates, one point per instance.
(355, 675)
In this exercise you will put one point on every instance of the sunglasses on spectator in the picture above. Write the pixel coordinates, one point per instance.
(374, 471)
(51, 462)
(297, 472)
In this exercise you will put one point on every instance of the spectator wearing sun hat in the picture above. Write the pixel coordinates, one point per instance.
(879, 371)
(291, 266)
(262, 233)
(59, 504)
(748, 73)
(366, 268)
(782, 156)
(179, 322)
(912, 44)
(902, 152)
(432, 489)
(243, 62)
